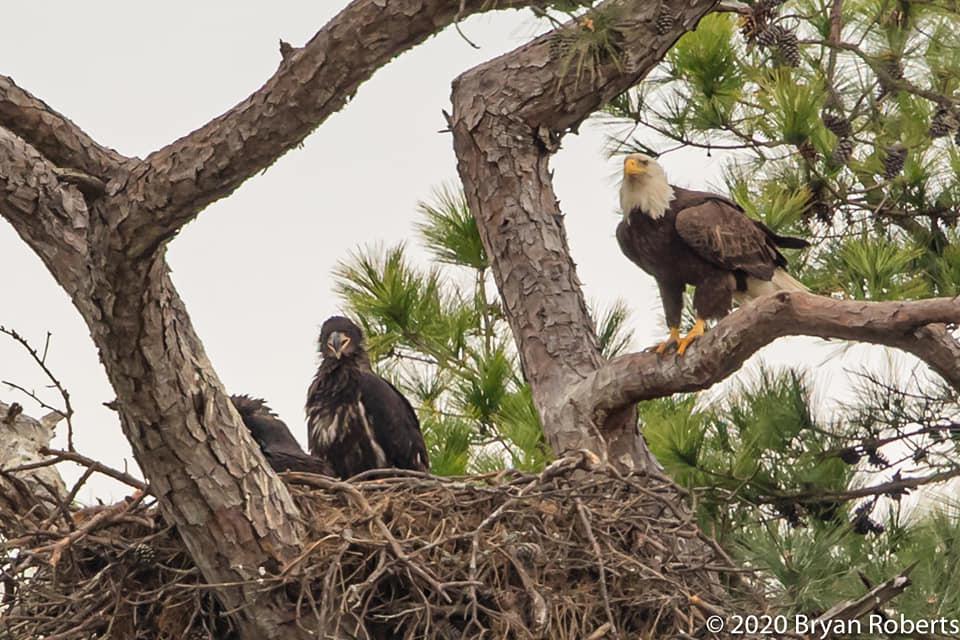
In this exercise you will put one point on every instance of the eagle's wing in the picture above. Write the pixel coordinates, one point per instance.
(725, 236)
(394, 423)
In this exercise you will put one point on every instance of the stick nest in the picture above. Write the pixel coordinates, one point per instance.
(571, 553)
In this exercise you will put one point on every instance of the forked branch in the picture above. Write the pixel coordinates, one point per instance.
(311, 83)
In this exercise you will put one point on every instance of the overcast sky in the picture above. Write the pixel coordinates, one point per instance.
(254, 269)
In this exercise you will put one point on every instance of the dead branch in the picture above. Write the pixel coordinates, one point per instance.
(96, 466)
(41, 360)
(915, 326)
(875, 597)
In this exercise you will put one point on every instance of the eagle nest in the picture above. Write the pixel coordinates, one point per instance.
(579, 551)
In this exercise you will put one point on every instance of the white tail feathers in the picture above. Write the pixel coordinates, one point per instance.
(781, 281)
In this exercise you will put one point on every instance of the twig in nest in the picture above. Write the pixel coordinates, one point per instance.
(588, 531)
(56, 549)
(97, 466)
(398, 551)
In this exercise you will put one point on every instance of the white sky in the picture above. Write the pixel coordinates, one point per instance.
(254, 269)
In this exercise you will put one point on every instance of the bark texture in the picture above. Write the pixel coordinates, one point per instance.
(21, 439)
(508, 117)
(914, 327)
(100, 222)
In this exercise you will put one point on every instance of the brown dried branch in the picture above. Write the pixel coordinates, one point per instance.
(912, 326)
(41, 359)
(99, 520)
(97, 466)
(871, 600)
(56, 137)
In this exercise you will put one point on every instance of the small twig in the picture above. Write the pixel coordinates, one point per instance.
(56, 549)
(73, 456)
(41, 360)
(601, 567)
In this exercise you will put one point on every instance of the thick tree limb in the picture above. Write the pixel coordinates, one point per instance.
(56, 137)
(51, 217)
(311, 83)
(913, 326)
(508, 117)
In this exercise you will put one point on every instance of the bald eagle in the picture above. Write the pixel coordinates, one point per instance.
(683, 237)
(279, 447)
(356, 419)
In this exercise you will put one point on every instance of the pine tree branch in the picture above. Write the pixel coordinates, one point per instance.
(51, 217)
(313, 82)
(871, 600)
(915, 327)
(53, 135)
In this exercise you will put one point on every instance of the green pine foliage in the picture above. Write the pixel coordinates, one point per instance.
(841, 126)
(440, 335)
(771, 483)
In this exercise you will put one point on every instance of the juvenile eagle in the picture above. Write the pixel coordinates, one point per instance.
(356, 419)
(683, 237)
(278, 445)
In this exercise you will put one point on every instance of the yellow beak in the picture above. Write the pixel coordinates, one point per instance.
(633, 168)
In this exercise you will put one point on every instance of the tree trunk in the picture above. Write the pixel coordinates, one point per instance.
(101, 221)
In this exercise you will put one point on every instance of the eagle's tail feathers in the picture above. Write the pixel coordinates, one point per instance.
(781, 281)
(790, 242)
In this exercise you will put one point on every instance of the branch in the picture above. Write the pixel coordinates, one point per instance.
(870, 601)
(509, 116)
(912, 326)
(56, 137)
(312, 83)
(52, 218)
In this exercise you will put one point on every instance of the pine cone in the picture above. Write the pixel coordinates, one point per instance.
(807, 150)
(940, 124)
(665, 23)
(843, 151)
(770, 36)
(789, 48)
(144, 554)
(896, 156)
(836, 123)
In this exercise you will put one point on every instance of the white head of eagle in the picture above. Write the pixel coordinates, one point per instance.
(644, 187)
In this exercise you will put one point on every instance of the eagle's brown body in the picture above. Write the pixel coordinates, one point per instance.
(705, 240)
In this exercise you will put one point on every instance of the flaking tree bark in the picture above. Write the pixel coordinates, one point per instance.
(509, 116)
(100, 221)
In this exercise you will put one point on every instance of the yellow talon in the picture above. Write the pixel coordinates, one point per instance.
(695, 332)
(673, 339)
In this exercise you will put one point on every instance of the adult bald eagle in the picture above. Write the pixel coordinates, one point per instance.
(278, 445)
(683, 237)
(356, 419)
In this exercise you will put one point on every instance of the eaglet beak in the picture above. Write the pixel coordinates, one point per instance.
(337, 344)
(633, 167)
